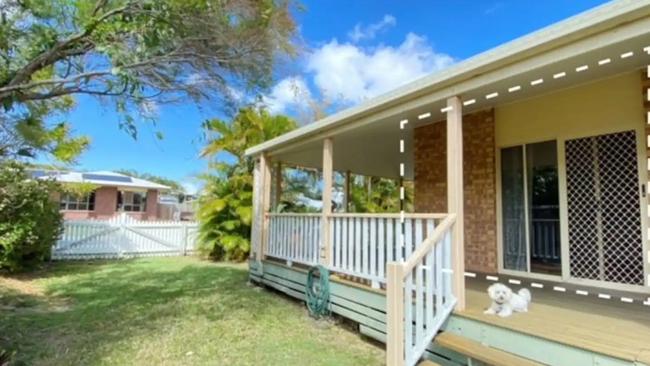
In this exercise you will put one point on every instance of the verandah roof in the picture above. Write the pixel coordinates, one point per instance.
(606, 41)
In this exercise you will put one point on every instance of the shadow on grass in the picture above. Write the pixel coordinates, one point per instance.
(111, 302)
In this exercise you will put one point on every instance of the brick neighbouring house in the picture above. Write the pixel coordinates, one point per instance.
(115, 193)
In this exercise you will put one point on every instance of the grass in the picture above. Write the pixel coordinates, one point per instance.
(164, 311)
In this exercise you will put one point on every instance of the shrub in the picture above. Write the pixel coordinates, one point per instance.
(30, 222)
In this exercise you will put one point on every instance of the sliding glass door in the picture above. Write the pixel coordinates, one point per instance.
(530, 208)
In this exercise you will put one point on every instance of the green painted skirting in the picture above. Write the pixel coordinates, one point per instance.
(368, 308)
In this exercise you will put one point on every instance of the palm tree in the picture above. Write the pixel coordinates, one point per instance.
(226, 205)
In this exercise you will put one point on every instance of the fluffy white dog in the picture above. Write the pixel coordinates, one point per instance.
(504, 301)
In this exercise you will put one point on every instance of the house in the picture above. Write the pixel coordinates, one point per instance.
(115, 193)
(530, 167)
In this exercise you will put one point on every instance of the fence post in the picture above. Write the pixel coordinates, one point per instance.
(185, 238)
(394, 315)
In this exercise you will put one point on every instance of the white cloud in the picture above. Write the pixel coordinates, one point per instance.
(352, 73)
(290, 92)
(369, 32)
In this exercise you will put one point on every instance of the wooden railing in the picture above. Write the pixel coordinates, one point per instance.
(362, 244)
(294, 237)
(419, 296)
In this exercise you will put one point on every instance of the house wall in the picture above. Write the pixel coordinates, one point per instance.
(478, 180)
(606, 106)
(152, 204)
(612, 105)
(105, 202)
(106, 206)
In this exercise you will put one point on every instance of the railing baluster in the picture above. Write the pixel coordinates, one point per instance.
(408, 312)
(430, 311)
(373, 248)
(419, 307)
(357, 244)
(365, 246)
(381, 238)
(439, 279)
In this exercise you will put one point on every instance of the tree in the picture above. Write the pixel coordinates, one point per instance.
(131, 53)
(30, 222)
(226, 204)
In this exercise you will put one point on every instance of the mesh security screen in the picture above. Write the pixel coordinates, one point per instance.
(605, 241)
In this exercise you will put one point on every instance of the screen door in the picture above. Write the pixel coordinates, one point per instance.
(604, 213)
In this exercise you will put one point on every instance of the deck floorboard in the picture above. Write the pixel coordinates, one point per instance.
(609, 327)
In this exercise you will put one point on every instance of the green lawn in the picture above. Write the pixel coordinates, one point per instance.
(171, 311)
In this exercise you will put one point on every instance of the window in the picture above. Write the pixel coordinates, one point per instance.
(132, 201)
(77, 203)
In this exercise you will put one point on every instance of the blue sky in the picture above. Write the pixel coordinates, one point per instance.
(352, 50)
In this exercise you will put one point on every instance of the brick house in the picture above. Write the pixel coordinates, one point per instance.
(115, 193)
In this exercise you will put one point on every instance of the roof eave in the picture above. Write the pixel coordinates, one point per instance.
(570, 30)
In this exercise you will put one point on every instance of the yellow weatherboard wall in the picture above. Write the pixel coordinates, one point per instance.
(610, 105)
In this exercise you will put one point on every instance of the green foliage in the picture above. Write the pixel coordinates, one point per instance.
(30, 222)
(379, 195)
(226, 204)
(78, 189)
(133, 55)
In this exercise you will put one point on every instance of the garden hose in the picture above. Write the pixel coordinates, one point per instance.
(318, 296)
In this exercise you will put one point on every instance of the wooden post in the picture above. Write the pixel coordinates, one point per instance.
(328, 173)
(262, 199)
(278, 185)
(346, 192)
(455, 194)
(395, 315)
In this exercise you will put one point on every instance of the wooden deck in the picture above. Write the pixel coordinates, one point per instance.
(559, 329)
(609, 327)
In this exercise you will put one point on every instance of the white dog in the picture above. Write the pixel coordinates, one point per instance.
(504, 301)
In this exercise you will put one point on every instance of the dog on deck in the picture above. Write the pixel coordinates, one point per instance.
(505, 301)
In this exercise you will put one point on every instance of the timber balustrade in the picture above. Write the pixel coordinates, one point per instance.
(360, 244)
(419, 296)
(294, 237)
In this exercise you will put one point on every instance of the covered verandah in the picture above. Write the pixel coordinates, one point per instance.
(417, 260)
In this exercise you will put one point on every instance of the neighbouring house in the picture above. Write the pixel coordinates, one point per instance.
(177, 207)
(530, 167)
(115, 193)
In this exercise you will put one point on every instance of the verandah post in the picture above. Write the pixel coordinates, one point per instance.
(262, 202)
(455, 199)
(328, 174)
(395, 315)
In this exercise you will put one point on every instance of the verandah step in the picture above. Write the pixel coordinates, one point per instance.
(480, 352)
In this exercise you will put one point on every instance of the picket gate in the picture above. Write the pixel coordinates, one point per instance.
(123, 237)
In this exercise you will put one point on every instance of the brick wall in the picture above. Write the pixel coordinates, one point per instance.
(152, 205)
(105, 202)
(479, 175)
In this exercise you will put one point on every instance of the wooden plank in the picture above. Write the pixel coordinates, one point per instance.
(346, 191)
(357, 244)
(373, 270)
(395, 312)
(477, 351)
(455, 199)
(381, 247)
(265, 200)
(328, 176)
(365, 246)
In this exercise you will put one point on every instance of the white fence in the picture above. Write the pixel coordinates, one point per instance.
(124, 237)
